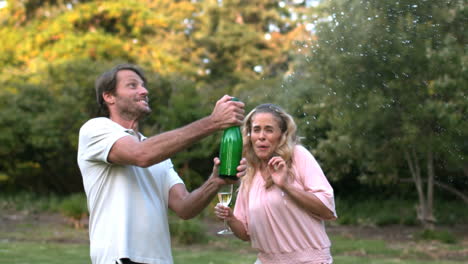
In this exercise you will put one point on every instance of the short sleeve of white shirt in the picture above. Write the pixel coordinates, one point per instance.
(97, 136)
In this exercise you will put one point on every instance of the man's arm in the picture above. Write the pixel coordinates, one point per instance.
(189, 204)
(128, 150)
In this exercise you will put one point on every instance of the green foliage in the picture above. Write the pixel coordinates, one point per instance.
(98, 30)
(41, 119)
(376, 63)
(74, 206)
(450, 213)
(52, 51)
(364, 213)
(188, 232)
(371, 96)
(244, 42)
(392, 211)
(181, 106)
(440, 235)
(364, 85)
(30, 202)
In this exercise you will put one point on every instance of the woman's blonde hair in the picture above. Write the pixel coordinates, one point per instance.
(284, 149)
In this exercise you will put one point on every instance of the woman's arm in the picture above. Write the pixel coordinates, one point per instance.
(307, 200)
(237, 227)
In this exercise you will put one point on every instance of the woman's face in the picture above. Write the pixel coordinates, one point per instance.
(265, 135)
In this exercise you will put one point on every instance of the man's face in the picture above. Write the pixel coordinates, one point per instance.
(131, 96)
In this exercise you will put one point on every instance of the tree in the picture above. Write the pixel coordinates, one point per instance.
(392, 107)
(50, 54)
(242, 41)
(40, 128)
(181, 106)
(51, 51)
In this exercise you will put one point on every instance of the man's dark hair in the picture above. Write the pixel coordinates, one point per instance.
(107, 82)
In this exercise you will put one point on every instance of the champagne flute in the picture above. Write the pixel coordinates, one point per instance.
(224, 197)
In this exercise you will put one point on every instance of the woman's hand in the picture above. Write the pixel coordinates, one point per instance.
(278, 171)
(223, 212)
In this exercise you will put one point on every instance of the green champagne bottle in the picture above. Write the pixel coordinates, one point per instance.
(230, 152)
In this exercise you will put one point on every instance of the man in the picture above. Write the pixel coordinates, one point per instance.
(130, 181)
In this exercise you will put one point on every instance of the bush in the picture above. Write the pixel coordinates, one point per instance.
(449, 213)
(346, 219)
(440, 235)
(30, 202)
(387, 218)
(188, 232)
(383, 212)
(74, 207)
(410, 221)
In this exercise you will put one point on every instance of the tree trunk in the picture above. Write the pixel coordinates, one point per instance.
(446, 187)
(430, 190)
(453, 191)
(424, 208)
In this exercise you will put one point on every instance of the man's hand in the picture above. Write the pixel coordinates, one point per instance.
(189, 204)
(227, 113)
(241, 170)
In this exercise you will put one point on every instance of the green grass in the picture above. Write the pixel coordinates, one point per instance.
(54, 253)
(343, 246)
(43, 253)
(182, 256)
(49, 242)
(219, 250)
(346, 250)
(373, 260)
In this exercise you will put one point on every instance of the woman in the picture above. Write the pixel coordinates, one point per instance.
(284, 198)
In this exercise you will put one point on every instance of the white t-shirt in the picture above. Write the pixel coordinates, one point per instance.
(127, 204)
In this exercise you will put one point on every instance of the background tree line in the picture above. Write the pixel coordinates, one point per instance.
(378, 88)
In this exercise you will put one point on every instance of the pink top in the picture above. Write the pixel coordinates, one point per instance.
(281, 231)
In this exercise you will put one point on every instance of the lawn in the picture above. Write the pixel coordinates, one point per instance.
(48, 239)
(32, 233)
(216, 251)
